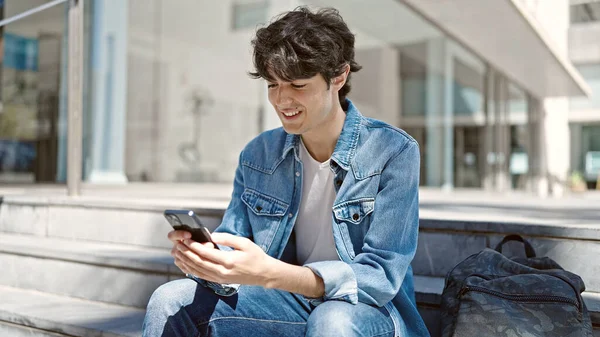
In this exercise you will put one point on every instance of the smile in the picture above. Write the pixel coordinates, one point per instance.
(291, 113)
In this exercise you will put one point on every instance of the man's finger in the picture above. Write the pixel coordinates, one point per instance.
(176, 236)
(215, 256)
(225, 239)
(200, 262)
(189, 269)
(181, 266)
(201, 273)
(183, 257)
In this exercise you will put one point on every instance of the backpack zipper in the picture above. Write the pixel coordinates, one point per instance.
(578, 303)
(522, 298)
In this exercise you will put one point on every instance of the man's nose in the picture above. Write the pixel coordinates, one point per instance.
(283, 96)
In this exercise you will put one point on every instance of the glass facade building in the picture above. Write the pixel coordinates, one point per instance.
(584, 119)
(167, 96)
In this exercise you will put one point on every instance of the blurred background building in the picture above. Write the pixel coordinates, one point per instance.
(501, 94)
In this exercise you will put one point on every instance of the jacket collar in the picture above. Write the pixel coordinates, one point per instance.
(346, 144)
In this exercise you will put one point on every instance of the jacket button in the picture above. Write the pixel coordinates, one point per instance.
(258, 208)
(355, 217)
(297, 174)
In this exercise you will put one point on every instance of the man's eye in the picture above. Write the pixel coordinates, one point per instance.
(298, 86)
(271, 86)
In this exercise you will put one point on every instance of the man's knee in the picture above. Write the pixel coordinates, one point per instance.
(332, 318)
(170, 297)
(175, 308)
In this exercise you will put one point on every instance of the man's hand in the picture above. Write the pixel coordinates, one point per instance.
(177, 238)
(247, 264)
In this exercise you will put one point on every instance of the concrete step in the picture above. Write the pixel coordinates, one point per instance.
(449, 232)
(428, 291)
(111, 273)
(36, 314)
(105, 219)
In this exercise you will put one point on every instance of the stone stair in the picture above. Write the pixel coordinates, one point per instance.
(87, 266)
(30, 313)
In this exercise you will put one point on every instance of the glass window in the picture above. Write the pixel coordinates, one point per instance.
(414, 75)
(468, 82)
(591, 151)
(249, 13)
(31, 56)
(518, 165)
(190, 106)
(591, 74)
(585, 12)
(517, 104)
(468, 85)
(585, 151)
(469, 121)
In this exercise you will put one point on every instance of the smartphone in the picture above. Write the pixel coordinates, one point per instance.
(187, 220)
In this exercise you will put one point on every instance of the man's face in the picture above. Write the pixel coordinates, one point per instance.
(303, 105)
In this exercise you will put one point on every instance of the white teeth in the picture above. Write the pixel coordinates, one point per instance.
(290, 114)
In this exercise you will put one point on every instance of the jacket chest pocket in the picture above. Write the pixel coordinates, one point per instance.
(264, 214)
(352, 219)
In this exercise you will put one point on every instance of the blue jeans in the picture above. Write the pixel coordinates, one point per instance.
(185, 308)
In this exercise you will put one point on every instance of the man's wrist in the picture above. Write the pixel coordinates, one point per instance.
(271, 274)
(296, 279)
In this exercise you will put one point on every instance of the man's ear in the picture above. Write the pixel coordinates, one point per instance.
(339, 81)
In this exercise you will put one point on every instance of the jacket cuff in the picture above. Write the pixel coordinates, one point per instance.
(227, 289)
(339, 280)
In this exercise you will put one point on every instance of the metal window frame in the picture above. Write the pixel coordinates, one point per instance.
(30, 12)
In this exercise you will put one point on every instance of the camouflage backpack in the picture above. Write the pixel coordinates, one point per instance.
(489, 294)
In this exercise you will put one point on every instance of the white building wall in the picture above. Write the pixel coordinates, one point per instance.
(583, 43)
(553, 17)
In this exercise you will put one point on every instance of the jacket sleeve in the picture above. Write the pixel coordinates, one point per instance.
(376, 274)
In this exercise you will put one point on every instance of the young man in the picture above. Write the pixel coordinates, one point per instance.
(323, 221)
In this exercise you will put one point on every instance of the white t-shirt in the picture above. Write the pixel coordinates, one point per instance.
(314, 234)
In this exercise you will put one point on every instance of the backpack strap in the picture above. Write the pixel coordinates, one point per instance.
(529, 251)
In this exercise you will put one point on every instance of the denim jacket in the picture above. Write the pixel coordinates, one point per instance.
(375, 216)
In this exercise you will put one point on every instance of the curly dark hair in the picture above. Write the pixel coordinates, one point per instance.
(301, 44)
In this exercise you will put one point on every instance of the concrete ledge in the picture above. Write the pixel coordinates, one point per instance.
(129, 222)
(41, 215)
(206, 206)
(526, 227)
(449, 232)
(110, 273)
(152, 260)
(68, 316)
(15, 330)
